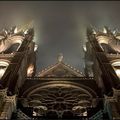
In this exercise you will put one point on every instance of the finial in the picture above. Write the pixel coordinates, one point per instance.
(60, 57)
(105, 29)
(25, 27)
(94, 32)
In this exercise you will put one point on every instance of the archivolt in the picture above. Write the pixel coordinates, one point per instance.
(66, 84)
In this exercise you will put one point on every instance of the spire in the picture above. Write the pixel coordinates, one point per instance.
(27, 26)
(105, 29)
(60, 57)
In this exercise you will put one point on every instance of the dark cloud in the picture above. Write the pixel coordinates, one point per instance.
(60, 26)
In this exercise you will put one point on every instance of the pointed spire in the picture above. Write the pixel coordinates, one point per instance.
(15, 30)
(105, 29)
(114, 32)
(94, 32)
(25, 27)
(60, 57)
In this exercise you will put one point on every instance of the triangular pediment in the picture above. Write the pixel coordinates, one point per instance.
(60, 70)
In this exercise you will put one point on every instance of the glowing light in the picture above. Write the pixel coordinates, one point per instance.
(116, 66)
(84, 48)
(94, 32)
(26, 31)
(85, 113)
(60, 57)
(3, 67)
(117, 72)
(104, 30)
(35, 47)
(15, 30)
(6, 32)
(30, 70)
(34, 113)
(26, 26)
(114, 32)
(2, 71)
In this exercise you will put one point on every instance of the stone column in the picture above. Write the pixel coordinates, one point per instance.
(9, 105)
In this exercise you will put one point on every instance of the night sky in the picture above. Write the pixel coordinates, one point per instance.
(60, 26)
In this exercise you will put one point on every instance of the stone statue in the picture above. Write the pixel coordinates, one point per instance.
(60, 57)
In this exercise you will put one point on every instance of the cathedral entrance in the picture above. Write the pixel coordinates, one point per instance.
(58, 99)
(58, 92)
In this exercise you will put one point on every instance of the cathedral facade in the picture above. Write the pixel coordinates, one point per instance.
(60, 91)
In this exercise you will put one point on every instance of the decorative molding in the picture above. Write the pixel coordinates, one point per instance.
(60, 65)
(9, 106)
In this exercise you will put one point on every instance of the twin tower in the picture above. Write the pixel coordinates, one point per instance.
(59, 91)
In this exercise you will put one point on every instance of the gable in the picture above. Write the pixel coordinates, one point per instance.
(60, 70)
